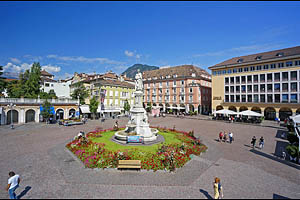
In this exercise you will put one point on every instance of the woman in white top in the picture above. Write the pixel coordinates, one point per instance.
(13, 184)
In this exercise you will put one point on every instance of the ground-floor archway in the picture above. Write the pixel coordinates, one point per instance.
(232, 108)
(15, 116)
(59, 114)
(219, 108)
(30, 116)
(298, 111)
(72, 112)
(161, 107)
(285, 113)
(243, 108)
(256, 109)
(270, 113)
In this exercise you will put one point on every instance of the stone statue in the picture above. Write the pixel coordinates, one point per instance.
(139, 81)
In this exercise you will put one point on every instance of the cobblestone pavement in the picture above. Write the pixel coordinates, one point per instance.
(48, 170)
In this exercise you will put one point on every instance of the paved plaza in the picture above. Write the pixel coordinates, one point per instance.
(48, 170)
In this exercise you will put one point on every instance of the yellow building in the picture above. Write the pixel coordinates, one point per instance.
(268, 83)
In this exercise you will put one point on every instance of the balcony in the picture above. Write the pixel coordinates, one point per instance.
(36, 101)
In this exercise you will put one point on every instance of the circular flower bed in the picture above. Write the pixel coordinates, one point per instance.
(174, 153)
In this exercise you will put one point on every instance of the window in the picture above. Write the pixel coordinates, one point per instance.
(226, 98)
(293, 87)
(174, 98)
(160, 83)
(243, 98)
(219, 72)
(255, 78)
(237, 88)
(214, 73)
(262, 98)
(270, 87)
(229, 71)
(277, 98)
(237, 79)
(249, 88)
(191, 90)
(277, 87)
(224, 71)
(294, 98)
(46, 84)
(182, 82)
(273, 66)
(243, 79)
(246, 69)
(294, 75)
(258, 67)
(285, 76)
(252, 68)
(174, 83)
(255, 88)
(277, 76)
(174, 91)
(279, 54)
(270, 77)
(52, 85)
(255, 99)
(240, 69)
(249, 79)
(191, 98)
(226, 80)
(237, 98)
(231, 98)
(234, 70)
(262, 88)
(243, 88)
(167, 83)
(297, 62)
(262, 78)
(226, 89)
(258, 58)
(232, 80)
(148, 84)
(289, 64)
(249, 98)
(285, 87)
(270, 98)
(280, 65)
(232, 89)
(266, 66)
(285, 98)
(240, 60)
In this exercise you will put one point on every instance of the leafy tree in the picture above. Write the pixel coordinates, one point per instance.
(94, 106)
(2, 82)
(126, 106)
(80, 91)
(15, 89)
(149, 107)
(46, 113)
(52, 94)
(33, 80)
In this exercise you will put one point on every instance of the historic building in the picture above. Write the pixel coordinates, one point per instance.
(268, 83)
(180, 89)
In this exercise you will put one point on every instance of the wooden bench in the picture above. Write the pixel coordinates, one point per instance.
(129, 164)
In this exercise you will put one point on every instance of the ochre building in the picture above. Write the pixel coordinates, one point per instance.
(268, 83)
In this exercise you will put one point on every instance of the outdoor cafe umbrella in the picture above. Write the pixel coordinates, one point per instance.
(225, 112)
(296, 119)
(250, 113)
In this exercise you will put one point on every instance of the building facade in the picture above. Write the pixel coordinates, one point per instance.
(178, 89)
(268, 83)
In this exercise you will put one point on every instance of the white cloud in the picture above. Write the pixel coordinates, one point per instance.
(138, 56)
(128, 53)
(15, 60)
(166, 66)
(50, 68)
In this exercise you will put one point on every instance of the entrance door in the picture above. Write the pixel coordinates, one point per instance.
(30, 116)
(15, 116)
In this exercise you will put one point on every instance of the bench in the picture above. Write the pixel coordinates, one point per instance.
(129, 164)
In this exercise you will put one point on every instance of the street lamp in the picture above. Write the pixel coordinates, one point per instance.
(78, 107)
(11, 106)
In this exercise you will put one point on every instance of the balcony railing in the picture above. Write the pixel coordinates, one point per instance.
(36, 101)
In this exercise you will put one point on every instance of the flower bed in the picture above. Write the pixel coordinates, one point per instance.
(165, 156)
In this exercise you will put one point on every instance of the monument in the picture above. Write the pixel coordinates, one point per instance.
(138, 124)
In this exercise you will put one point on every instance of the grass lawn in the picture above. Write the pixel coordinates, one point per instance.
(170, 138)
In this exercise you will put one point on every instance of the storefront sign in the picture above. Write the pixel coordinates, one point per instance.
(135, 139)
(217, 98)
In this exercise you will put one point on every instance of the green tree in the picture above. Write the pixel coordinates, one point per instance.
(2, 82)
(15, 89)
(149, 107)
(94, 106)
(126, 106)
(52, 94)
(81, 92)
(33, 80)
(46, 113)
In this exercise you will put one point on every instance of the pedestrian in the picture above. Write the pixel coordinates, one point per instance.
(253, 141)
(220, 136)
(230, 137)
(261, 142)
(218, 190)
(225, 137)
(283, 155)
(13, 184)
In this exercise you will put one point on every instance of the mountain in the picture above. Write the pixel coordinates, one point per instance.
(131, 71)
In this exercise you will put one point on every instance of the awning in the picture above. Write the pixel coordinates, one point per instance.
(250, 113)
(111, 111)
(296, 119)
(85, 109)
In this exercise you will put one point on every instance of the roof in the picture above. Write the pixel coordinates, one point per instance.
(45, 73)
(261, 56)
(115, 83)
(180, 71)
(9, 79)
(45, 79)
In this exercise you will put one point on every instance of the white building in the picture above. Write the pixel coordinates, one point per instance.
(61, 88)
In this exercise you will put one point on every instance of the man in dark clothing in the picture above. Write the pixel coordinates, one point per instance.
(253, 141)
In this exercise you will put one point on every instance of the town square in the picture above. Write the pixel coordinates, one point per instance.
(111, 108)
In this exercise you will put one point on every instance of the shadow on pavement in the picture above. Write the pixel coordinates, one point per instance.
(280, 146)
(206, 194)
(276, 196)
(274, 158)
(24, 192)
(281, 134)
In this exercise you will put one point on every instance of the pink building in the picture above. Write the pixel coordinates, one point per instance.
(180, 89)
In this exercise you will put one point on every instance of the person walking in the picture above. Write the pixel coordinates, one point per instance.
(253, 141)
(220, 136)
(230, 137)
(13, 184)
(225, 137)
(261, 142)
(218, 190)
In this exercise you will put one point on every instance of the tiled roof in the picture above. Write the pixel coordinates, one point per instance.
(45, 79)
(180, 71)
(45, 73)
(261, 56)
(115, 83)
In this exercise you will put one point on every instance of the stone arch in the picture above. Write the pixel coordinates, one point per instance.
(72, 112)
(270, 113)
(243, 108)
(233, 108)
(59, 113)
(256, 109)
(219, 107)
(298, 111)
(15, 115)
(30, 116)
(285, 113)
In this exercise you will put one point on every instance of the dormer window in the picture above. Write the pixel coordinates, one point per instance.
(240, 60)
(258, 58)
(279, 54)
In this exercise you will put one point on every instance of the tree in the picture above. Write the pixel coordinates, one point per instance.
(52, 94)
(2, 82)
(15, 89)
(33, 80)
(81, 92)
(46, 112)
(149, 107)
(126, 106)
(94, 106)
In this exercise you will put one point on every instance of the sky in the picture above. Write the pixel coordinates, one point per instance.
(95, 37)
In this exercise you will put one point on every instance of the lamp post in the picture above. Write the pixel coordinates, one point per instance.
(11, 115)
(78, 107)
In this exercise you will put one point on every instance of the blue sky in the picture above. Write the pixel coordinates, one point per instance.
(68, 37)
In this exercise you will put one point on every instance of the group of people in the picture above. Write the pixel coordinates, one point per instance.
(223, 137)
(261, 142)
